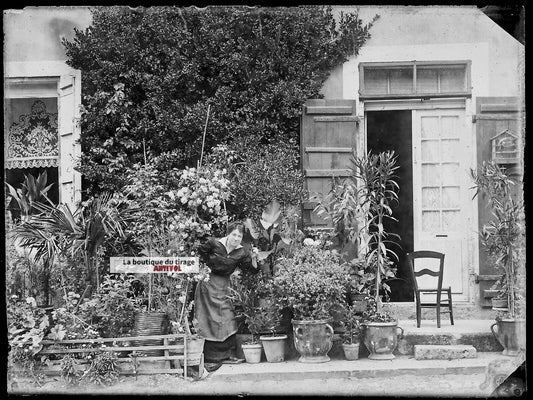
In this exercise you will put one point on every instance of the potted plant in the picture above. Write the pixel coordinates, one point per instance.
(500, 300)
(273, 344)
(253, 348)
(352, 333)
(504, 240)
(377, 193)
(312, 282)
(244, 300)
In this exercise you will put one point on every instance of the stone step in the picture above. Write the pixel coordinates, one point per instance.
(444, 352)
(358, 369)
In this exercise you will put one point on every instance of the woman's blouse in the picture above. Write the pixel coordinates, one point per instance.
(220, 262)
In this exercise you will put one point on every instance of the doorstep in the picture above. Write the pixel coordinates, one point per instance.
(361, 368)
(474, 332)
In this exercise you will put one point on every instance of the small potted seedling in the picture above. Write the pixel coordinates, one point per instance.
(352, 335)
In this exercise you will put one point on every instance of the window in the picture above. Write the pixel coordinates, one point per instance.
(414, 79)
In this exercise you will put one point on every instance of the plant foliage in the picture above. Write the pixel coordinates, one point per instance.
(504, 235)
(149, 75)
(312, 281)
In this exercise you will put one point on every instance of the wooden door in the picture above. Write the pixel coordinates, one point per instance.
(440, 190)
(328, 141)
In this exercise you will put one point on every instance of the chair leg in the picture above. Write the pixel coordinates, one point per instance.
(418, 315)
(450, 304)
(438, 315)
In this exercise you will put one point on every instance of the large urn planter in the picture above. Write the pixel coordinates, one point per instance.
(252, 352)
(511, 333)
(313, 340)
(274, 347)
(381, 339)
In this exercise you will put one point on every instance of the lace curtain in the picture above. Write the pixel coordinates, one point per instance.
(33, 140)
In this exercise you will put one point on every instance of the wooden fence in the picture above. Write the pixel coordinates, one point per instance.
(175, 359)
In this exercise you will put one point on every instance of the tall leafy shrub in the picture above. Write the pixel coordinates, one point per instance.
(149, 74)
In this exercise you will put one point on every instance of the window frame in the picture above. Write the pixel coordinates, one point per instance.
(363, 95)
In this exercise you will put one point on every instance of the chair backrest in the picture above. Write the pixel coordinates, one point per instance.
(436, 272)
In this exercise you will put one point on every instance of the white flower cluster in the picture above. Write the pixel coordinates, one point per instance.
(188, 226)
(206, 190)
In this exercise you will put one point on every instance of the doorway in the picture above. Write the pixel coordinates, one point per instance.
(392, 130)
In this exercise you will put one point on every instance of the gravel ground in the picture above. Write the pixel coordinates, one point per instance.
(405, 385)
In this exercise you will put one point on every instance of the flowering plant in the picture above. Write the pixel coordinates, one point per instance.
(175, 210)
(312, 282)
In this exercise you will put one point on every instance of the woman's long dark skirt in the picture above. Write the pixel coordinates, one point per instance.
(215, 352)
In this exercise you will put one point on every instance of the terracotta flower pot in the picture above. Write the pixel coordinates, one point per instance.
(274, 347)
(252, 352)
(313, 340)
(195, 349)
(351, 351)
(511, 333)
(381, 339)
(499, 303)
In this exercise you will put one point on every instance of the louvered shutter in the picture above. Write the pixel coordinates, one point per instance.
(328, 139)
(69, 100)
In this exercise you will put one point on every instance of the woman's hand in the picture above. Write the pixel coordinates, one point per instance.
(255, 254)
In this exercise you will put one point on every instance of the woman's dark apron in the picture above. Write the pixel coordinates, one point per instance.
(215, 317)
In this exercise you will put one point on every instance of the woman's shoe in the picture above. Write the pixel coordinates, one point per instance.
(210, 367)
(233, 360)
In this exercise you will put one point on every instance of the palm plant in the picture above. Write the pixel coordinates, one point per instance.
(57, 230)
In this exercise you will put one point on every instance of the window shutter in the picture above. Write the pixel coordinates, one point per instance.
(494, 115)
(328, 140)
(69, 100)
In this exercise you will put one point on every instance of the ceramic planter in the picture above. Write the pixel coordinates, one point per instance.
(274, 347)
(511, 333)
(313, 340)
(351, 351)
(252, 352)
(381, 339)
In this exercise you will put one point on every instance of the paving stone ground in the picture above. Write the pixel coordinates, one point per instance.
(452, 385)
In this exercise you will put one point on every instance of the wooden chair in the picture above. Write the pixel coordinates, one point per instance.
(438, 290)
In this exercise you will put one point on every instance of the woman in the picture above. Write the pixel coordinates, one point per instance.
(213, 309)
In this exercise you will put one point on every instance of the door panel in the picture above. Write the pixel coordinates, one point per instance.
(439, 171)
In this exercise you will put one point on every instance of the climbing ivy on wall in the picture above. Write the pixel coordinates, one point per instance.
(149, 74)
